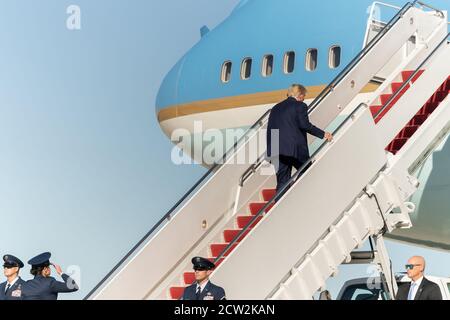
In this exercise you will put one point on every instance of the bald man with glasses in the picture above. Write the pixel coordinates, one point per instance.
(420, 288)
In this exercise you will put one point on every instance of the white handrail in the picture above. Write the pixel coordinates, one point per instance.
(385, 4)
(425, 5)
(372, 19)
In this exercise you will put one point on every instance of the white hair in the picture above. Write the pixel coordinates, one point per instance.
(296, 90)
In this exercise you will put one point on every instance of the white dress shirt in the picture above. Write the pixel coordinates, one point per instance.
(413, 289)
(11, 284)
(202, 287)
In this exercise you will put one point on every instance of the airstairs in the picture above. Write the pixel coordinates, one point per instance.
(286, 245)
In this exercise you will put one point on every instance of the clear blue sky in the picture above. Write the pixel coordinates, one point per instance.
(85, 169)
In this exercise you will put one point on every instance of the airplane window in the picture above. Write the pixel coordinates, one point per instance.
(334, 57)
(289, 62)
(226, 72)
(246, 69)
(267, 66)
(311, 59)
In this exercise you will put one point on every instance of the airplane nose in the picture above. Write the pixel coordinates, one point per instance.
(168, 91)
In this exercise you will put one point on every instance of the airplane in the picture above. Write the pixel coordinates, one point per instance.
(241, 68)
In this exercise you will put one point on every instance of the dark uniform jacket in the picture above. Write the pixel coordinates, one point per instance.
(427, 291)
(41, 288)
(210, 292)
(290, 117)
(13, 293)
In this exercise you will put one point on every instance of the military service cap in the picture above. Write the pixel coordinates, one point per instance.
(11, 261)
(202, 264)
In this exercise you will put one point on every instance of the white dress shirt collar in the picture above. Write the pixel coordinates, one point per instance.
(202, 287)
(12, 283)
(418, 282)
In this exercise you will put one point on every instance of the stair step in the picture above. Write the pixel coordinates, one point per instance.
(256, 207)
(375, 110)
(430, 107)
(176, 292)
(243, 221)
(419, 119)
(389, 147)
(383, 113)
(408, 132)
(385, 98)
(230, 235)
(445, 86)
(439, 96)
(401, 93)
(216, 249)
(407, 74)
(398, 144)
(268, 194)
(397, 85)
(189, 278)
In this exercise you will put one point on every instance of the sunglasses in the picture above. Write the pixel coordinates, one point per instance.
(8, 266)
(200, 269)
(411, 266)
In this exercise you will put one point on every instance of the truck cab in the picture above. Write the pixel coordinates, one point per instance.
(373, 288)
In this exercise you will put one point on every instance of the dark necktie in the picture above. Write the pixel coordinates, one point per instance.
(7, 288)
(197, 294)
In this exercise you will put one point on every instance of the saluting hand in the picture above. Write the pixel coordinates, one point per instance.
(57, 268)
(328, 136)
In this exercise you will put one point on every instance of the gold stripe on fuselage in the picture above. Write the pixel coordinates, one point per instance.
(241, 101)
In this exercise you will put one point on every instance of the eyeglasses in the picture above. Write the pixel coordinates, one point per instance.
(411, 266)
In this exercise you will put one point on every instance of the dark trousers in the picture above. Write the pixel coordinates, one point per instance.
(284, 172)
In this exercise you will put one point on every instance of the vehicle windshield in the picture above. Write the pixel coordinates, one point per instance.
(362, 291)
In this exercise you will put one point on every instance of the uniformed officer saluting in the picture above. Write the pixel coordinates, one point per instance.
(44, 287)
(12, 288)
(203, 289)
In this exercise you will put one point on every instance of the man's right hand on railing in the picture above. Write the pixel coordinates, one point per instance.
(328, 136)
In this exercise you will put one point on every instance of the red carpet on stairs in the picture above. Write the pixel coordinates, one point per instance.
(229, 235)
(421, 116)
(384, 98)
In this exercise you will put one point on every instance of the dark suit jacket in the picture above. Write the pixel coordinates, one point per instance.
(41, 288)
(14, 293)
(290, 117)
(211, 292)
(427, 291)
